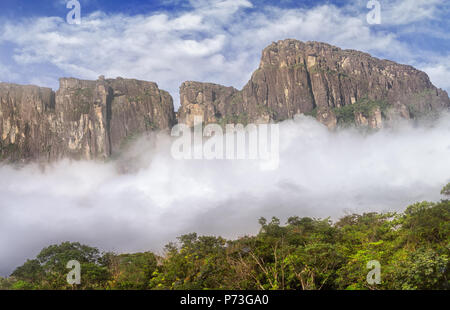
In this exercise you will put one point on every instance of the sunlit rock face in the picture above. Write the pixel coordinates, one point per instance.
(97, 119)
(82, 120)
(334, 85)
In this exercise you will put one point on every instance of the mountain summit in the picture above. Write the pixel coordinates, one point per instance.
(336, 86)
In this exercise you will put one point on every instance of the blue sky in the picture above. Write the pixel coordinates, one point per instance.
(218, 41)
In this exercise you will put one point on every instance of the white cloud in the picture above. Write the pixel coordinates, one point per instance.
(321, 174)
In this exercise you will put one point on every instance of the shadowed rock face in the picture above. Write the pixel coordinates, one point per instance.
(211, 101)
(318, 79)
(82, 120)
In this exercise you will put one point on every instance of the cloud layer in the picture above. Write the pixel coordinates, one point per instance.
(321, 174)
(216, 41)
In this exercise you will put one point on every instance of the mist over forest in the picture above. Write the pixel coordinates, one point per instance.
(145, 199)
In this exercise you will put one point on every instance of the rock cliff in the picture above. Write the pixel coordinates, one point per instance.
(82, 120)
(334, 85)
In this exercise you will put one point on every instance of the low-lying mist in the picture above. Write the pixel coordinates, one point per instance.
(321, 174)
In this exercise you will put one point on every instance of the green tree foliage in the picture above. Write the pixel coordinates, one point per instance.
(131, 271)
(7, 284)
(446, 190)
(412, 247)
(197, 263)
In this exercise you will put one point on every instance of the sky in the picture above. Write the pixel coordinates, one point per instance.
(321, 174)
(218, 41)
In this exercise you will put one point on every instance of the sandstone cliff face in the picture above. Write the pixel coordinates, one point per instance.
(211, 101)
(319, 79)
(82, 120)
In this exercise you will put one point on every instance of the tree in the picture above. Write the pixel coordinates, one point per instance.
(6, 283)
(198, 263)
(31, 272)
(423, 269)
(132, 271)
(426, 223)
(49, 271)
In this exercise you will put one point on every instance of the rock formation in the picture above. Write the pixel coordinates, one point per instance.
(334, 85)
(82, 120)
(96, 119)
